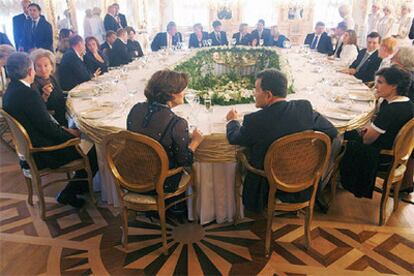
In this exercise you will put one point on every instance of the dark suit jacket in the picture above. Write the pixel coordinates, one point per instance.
(246, 40)
(218, 42)
(134, 49)
(110, 23)
(193, 41)
(4, 39)
(160, 40)
(411, 34)
(18, 28)
(72, 70)
(325, 43)
(122, 20)
(41, 37)
(29, 109)
(119, 54)
(266, 36)
(260, 129)
(367, 72)
(339, 47)
(93, 64)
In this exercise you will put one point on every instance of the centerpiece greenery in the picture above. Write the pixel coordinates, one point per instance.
(233, 86)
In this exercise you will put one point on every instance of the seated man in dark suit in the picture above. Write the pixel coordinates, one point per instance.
(367, 61)
(243, 37)
(37, 31)
(217, 36)
(261, 33)
(260, 129)
(319, 40)
(106, 47)
(339, 32)
(29, 109)
(4, 39)
(199, 38)
(411, 34)
(167, 39)
(119, 53)
(72, 69)
(111, 23)
(119, 16)
(19, 22)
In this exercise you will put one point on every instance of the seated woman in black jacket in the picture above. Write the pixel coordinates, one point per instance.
(47, 85)
(134, 48)
(199, 38)
(362, 160)
(94, 58)
(156, 119)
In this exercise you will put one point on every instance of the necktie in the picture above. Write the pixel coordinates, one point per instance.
(218, 37)
(364, 59)
(314, 42)
(33, 25)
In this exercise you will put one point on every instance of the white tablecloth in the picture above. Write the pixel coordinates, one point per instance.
(314, 77)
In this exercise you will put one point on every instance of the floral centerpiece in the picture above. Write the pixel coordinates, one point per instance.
(227, 75)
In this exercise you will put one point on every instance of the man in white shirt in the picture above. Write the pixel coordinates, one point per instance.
(319, 40)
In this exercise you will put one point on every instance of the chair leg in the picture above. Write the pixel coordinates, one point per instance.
(333, 188)
(90, 183)
(397, 187)
(268, 237)
(384, 200)
(125, 227)
(161, 212)
(68, 176)
(41, 197)
(237, 186)
(308, 220)
(29, 191)
(194, 205)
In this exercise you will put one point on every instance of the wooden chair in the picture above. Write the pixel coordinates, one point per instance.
(400, 153)
(139, 164)
(292, 164)
(33, 177)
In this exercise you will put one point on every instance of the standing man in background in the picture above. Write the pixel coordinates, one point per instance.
(19, 23)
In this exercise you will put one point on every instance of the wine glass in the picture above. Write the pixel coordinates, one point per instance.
(287, 44)
(233, 42)
(209, 42)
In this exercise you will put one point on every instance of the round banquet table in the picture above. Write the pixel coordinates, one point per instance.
(100, 107)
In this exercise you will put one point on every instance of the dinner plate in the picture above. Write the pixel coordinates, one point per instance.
(97, 112)
(339, 114)
(361, 96)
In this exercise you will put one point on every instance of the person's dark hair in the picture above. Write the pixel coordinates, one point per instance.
(274, 81)
(110, 33)
(374, 35)
(320, 24)
(342, 26)
(163, 84)
(261, 21)
(74, 40)
(17, 65)
(170, 25)
(65, 33)
(90, 38)
(37, 6)
(397, 76)
(129, 29)
(216, 23)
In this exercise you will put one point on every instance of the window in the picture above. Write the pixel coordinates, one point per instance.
(252, 12)
(188, 12)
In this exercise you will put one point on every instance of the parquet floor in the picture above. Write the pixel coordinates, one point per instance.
(346, 241)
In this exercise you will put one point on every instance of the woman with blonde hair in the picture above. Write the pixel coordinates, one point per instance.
(45, 83)
(387, 50)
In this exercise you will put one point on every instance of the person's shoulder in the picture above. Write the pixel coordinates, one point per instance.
(300, 104)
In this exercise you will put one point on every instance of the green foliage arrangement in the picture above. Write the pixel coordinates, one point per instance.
(232, 87)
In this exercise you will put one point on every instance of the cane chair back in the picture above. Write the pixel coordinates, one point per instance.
(401, 151)
(137, 174)
(293, 164)
(22, 141)
(140, 164)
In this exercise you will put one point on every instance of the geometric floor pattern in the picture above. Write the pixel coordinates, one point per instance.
(87, 241)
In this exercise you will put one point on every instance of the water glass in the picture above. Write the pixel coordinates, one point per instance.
(261, 42)
(207, 103)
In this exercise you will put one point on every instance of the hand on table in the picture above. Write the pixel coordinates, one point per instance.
(196, 139)
(232, 115)
(74, 132)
